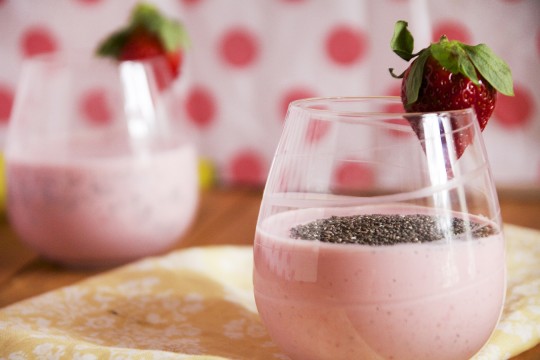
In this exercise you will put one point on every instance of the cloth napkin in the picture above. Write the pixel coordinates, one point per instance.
(198, 303)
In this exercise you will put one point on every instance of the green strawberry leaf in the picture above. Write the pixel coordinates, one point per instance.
(171, 33)
(491, 67)
(452, 56)
(113, 45)
(466, 66)
(402, 42)
(414, 80)
(146, 16)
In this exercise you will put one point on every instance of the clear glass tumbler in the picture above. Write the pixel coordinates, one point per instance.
(98, 173)
(379, 234)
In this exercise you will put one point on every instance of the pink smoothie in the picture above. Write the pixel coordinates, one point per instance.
(89, 211)
(437, 300)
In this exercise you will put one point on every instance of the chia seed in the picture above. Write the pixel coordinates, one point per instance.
(388, 229)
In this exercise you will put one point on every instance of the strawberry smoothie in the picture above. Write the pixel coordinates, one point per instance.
(98, 211)
(436, 300)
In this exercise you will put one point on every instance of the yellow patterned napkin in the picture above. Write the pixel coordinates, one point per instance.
(198, 304)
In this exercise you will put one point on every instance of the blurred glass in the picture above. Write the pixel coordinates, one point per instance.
(97, 173)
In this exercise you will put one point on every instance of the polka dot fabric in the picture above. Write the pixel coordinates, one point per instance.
(6, 102)
(36, 40)
(249, 60)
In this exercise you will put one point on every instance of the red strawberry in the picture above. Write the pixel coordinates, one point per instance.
(449, 75)
(148, 35)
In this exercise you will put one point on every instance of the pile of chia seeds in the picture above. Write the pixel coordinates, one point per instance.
(385, 229)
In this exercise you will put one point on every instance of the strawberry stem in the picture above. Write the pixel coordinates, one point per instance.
(400, 76)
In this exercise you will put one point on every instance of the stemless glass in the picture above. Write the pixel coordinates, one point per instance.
(98, 173)
(379, 234)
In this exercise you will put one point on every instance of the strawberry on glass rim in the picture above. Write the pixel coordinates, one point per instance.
(450, 75)
(149, 35)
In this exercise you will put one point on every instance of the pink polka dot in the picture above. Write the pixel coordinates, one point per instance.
(396, 109)
(395, 90)
(190, 2)
(353, 175)
(239, 47)
(514, 111)
(95, 106)
(37, 40)
(6, 102)
(399, 132)
(247, 168)
(317, 130)
(346, 45)
(453, 30)
(292, 95)
(201, 106)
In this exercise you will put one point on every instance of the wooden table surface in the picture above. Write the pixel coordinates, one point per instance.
(225, 216)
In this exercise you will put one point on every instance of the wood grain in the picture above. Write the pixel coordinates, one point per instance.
(225, 217)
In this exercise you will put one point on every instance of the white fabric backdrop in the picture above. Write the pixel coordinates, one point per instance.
(248, 59)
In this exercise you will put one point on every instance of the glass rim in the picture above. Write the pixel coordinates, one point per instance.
(308, 104)
(78, 58)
